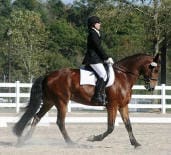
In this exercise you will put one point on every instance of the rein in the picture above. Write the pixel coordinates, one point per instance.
(124, 70)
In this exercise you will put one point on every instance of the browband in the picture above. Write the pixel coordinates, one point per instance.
(154, 64)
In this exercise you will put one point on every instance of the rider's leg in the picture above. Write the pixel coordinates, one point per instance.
(100, 70)
(99, 95)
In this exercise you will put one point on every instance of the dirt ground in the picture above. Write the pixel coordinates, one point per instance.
(47, 140)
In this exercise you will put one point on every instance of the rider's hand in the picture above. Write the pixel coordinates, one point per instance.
(109, 61)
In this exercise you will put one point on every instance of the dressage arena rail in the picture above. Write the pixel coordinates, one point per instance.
(13, 97)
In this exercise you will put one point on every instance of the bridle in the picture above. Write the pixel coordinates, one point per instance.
(145, 79)
(124, 70)
(152, 65)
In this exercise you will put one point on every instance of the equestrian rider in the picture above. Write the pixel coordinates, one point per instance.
(95, 57)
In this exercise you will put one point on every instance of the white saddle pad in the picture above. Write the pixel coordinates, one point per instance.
(88, 77)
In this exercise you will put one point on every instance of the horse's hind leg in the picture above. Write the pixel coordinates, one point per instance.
(125, 117)
(62, 109)
(45, 108)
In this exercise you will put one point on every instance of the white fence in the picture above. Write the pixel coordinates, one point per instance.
(16, 95)
(16, 98)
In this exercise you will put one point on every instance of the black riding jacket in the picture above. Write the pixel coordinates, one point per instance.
(95, 53)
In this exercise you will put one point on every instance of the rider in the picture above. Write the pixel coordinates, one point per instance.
(95, 57)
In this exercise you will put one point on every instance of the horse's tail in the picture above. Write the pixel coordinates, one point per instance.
(33, 106)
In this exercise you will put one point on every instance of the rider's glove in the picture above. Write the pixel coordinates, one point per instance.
(109, 61)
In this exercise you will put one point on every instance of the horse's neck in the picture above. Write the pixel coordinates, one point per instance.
(134, 64)
(133, 68)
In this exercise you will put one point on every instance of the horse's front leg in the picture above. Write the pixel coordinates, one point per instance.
(111, 121)
(62, 109)
(125, 117)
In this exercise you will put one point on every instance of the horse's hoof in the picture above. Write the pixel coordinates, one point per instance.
(18, 145)
(71, 143)
(20, 142)
(137, 145)
(95, 138)
(91, 138)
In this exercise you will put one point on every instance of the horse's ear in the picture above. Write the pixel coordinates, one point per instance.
(157, 58)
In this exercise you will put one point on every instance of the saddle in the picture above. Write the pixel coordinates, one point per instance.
(89, 77)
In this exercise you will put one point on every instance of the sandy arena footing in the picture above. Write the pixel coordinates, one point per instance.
(47, 140)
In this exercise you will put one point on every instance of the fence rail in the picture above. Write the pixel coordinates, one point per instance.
(15, 92)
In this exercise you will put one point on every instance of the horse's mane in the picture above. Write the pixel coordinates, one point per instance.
(135, 57)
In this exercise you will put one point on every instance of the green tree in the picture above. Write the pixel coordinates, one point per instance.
(58, 34)
(5, 7)
(124, 30)
(56, 9)
(28, 45)
(67, 40)
(31, 5)
(5, 10)
(157, 23)
(26, 4)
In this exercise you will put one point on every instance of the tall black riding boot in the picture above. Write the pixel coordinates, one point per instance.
(99, 96)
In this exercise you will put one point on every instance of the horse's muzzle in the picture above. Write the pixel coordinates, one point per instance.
(149, 87)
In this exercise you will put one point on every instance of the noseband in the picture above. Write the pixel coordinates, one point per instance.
(152, 65)
(149, 79)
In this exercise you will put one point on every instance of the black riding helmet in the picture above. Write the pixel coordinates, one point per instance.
(93, 20)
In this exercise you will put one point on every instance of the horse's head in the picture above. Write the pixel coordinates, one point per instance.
(151, 73)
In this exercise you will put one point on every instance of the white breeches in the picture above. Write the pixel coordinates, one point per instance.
(100, 70)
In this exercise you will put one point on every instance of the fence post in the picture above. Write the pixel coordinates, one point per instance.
(17, 99)
(163, 99)
(69, 106)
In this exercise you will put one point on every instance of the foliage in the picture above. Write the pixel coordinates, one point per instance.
(26, 4)
(49, 35)
(5, 7)
(27, 44)
(124, 31)
(65, 39)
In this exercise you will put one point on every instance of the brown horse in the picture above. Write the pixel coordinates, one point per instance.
(63, 85)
